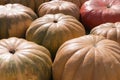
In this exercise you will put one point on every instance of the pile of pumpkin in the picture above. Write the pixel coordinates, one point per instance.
(59, 40)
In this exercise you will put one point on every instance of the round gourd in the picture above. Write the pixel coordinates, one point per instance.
(88, 57)
(77, 2)
(54, 7)
(14, 20)
(23, 60)
(33, 4)
(108, 30)
(96, 12)
(52, 30)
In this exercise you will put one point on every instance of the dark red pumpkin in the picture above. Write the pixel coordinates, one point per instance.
(96, 12)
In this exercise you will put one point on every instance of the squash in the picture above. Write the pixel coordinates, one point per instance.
(24, 60)
(33, 4)
(109, 30)
(14, 20)
(77, 2)
(54, 7)
(89, 57)
(52, 30)
(96, 12)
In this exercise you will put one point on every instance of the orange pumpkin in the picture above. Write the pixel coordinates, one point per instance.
(109, 30)
(77, 2)
(88, 57)
(14, 20)
(54, 7)
(33, 4)
(52, 30)
(23, 60)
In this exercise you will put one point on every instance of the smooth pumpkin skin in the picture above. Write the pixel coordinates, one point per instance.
(96, 12)
(88, 57)
(109, 30)
(23, 60)
(52, 30)
(14, 20)
(33, 4)
(54, 7)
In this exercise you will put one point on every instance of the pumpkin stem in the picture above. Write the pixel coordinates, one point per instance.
(12, 51)
(55, 21)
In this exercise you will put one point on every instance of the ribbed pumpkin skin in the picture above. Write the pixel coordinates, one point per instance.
(77, 2)
(89, 57)
(109, 30)
(33, 4)
(54, 7)
(23, 60)
(53, 30)
(14, 20)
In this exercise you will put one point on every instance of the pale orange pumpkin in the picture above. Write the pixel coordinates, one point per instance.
(52, 30)
(14, 20)
(77, 2)
(54, 7)
(24, 60)
(33, 4)
(88, 57)
(109, 30)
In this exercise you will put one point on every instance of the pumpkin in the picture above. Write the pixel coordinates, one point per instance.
(14, 20)
(89, 57)
(33, 4)
(23, 60)
(52, 30)
(96, 12)
(77, 2)
(108, 30)
(54, 7)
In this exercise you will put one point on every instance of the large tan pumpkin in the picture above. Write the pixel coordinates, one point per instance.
(14, 20)
(108, 30)
(54, 7)
(88, 57)
(33, 4)
(23, 60)
(53, 30)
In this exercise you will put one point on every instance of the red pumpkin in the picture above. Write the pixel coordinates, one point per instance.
(88, 57)
(14, 20)
(23, 60)
(96, 12)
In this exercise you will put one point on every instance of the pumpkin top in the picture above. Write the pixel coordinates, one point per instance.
(54, 7)
(22, 59)
(90, 55)
(15, 45)
(108, 30)
(16, 9)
